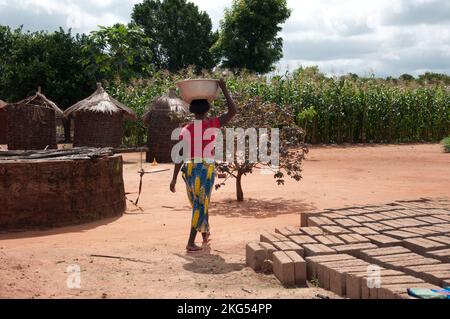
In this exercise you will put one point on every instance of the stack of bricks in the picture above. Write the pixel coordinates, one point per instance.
(405, 244)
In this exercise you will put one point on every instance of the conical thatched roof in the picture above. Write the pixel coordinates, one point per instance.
(100, 102)
(169, 103)
(40, 99)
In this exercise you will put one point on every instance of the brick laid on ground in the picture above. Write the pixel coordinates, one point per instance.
(378, 227)
(422, 245)
(299, 268)
(354, 249)
(313, 231)
(329, 240)
(270, 238)
(335, 230)
(317, 250)
(269, 249)
(311, 262)
(420, 231)
(289, 246)
(441, 239)
(320, 221)
(346, 222)
(302, 240)
(400, 234)
(325, 269)
(442, 255)
(255, 256)
(284, 268)
(363, 231)
(383, 240)
(353, 238)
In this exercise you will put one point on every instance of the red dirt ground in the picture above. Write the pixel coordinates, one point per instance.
(33, 264)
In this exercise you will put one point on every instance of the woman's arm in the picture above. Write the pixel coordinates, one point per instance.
(227, 117)
(176, 171)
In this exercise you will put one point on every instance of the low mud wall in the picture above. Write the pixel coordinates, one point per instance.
(41, 194)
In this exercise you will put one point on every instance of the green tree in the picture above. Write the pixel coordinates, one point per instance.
(182, 34)
(119, 51)
(50, 60)
(248, 35)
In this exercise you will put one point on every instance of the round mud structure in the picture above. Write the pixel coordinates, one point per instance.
(41, 194)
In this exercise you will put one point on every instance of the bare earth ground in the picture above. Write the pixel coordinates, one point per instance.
(152, 241)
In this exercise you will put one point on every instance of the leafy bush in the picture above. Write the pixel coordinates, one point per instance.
(446, 144)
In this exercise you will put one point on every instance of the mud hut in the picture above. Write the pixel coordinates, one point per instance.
(98, 120)
(165, 114)
(3, 137)
(31, 123)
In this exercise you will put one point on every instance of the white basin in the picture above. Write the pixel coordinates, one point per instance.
(200, 89)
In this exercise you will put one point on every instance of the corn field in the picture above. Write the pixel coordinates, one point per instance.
(332, 110)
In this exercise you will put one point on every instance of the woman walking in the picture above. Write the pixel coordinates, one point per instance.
(199, 171)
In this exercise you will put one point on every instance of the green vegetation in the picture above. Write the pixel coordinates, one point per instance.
(248, 36)
(332, 110)
(446, 144)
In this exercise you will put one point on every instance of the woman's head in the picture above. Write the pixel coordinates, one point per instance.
(199, 107)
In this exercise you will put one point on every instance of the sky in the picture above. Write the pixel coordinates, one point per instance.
(384, 37)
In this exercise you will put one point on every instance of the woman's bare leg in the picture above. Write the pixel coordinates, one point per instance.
(191, 246)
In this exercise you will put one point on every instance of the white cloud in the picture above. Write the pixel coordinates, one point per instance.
(388, 37)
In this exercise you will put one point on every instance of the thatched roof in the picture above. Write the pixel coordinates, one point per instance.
(40, 99)
(169, 103)
(100, 102)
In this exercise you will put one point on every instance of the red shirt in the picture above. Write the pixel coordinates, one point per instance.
(195, 133)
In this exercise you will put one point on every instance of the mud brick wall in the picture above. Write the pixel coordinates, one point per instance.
(30, 127)
(46, 194)
(160, 142)
(3, 126)
(96, 129)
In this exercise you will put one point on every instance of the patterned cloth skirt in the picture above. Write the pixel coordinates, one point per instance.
(199, 179)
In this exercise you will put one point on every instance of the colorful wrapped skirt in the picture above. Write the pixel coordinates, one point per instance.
(199, 179)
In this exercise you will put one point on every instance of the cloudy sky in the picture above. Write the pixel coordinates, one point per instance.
(386, 37)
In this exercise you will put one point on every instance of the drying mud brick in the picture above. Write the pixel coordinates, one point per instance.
(370, 283)
(354, 249)
(372, 253)
(255, 256)
(312, 262)
(329, 240)
(304, 216)
(320, 221)
(288, 231)
(302, 240)
(313, 231)
(419, 231)
(347, 222)
(363, 231)
(397, 291)
(384, 241)
(432, 219)
(317, 250)
(378, 227)
(325, 269)
(400, 234)
(335, 230)
(269, 249)
(289, 246)
(353, 238)
(421, 245)
(299, 268)
(272, 237)
(441, 239)
(284, 268)
(361, 219)
(338, 277)
(442, 255)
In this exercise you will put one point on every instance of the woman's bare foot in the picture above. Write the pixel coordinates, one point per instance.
(193, 248)
(206, 238)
